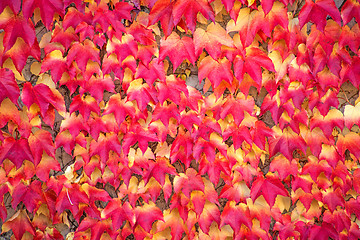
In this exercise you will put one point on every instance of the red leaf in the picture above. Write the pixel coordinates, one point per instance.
(140, 135)
(286, 142)
(8, 86)
(269, 187)
(19, 223)
(39, 142)
(163, 11)
(85, 105)
(47, 9)
(190, 9)
(81, 53)
(43, 96)
(317, 12)
(235, 216)
(31, 195)
(171, 89)
(147, 214)
(349, 142)
(154, 71)
(350, 9)
(18, 26)
(211, 40)
(13, 4)
(142, 93)
(188, 182)
(158, 169)
(119, 212)
(215, 71)
(178, 49)
(103, 145)
(165, 112)
(333, 199)
(17, 151)
(97, 228)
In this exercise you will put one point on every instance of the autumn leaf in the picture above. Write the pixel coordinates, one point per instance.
(18, 26)
(39, 142)
(146, 215)
(269, 187)
(211, 40)
(350, 10)
(235, 215)
(47, 9)
(189, 9)
(140, 135)
(286, 142)
(215, 70)
(20, 218)
(163, 11)
(16, 150)
(178, 49)
(8, 86)
(317, 12)
(119, 212)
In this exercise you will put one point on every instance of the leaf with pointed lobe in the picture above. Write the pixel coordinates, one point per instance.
(141, 34)
(177, 49)
(235, 215)
(74, 124)
(47, 9)
(349, 10)
(39, 142)
(64, 37)
(30, 195)
(43, 96)
(334, 118)
(17, 151)
(317, 12)
(8, 86)
(119, 212)
(54, 62)
(244, 24)
(349, 142)
(188, 182)
(314, 168)
(146, 215)
(154, 71)
(85, 105)
(251, 63)
(137, 134)
(122, 47)
(164, 112)
(237, 192)
(173, 220)
(314, 139)
(189, 9)
(188, 119)
(211, 40)
(13, 4)
(20, 52)
(158, 169)
(284, 167)
(44, 167)
(208, 126)
(163, 11)
(97, 228)
(20, 218)
(333, 198)
(182, 148)
(285, 142)
(18, 27)
(215, 70)
(269, 187)
(172, 89)
(81, 53)
(120, 108)
(104, 144)
(142, 93)
(236, 107)
(70, 197)
(351, 71)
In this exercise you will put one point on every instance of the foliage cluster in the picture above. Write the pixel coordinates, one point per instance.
(103, 137)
